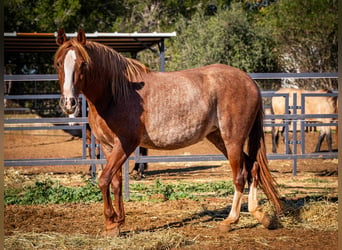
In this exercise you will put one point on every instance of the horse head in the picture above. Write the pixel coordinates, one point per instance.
(71, 59)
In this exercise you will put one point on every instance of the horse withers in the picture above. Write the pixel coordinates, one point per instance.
(130, 105)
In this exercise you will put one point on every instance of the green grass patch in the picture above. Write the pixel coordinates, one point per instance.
(49, 192)
(316, 180)
(180, 190)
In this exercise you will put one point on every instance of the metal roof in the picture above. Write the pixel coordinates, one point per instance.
(46, 42)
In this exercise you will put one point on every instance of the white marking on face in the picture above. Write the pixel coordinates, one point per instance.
(69, 67)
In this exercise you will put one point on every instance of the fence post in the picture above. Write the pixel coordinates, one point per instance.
(126, 180)
(302, 123)
(286, 125)
(294, 132)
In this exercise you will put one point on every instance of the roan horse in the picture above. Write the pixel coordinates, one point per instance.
(129, 105)
(313, 105)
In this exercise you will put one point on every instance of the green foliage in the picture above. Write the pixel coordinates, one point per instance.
(305, 33)
(255, 36)
(227, 37)
(180, 190)
(48, 15)
(47, 192)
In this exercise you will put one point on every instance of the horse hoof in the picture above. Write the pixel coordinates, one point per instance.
(114, 232)
(266, 221)
(224, 227)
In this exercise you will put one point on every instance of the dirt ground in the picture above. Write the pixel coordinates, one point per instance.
(197, 220)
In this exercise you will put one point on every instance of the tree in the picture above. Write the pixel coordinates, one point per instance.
(49, 15)
(227, 37)
(305, 33)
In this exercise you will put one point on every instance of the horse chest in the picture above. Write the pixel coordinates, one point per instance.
(100, 129)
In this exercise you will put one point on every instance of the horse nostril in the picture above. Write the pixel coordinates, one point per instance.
(73, 102)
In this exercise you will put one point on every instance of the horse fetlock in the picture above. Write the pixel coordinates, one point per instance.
(262, 217)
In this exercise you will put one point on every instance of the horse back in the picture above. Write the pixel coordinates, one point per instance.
(183, 107)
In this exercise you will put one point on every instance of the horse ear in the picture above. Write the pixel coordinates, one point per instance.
(61, 38)
(81, 38)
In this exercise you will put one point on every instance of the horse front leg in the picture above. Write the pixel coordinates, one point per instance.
(118, 201)
(114, 218)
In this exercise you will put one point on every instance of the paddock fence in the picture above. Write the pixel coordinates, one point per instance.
(299, 121)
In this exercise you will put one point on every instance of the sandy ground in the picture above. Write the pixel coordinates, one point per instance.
(196, 220)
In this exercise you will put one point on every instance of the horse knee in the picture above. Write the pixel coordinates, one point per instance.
(239, 183)
(103, 182)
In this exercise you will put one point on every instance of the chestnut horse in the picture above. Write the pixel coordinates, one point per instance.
(129, 105)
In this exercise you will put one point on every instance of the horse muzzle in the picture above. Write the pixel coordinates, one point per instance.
(69, 105)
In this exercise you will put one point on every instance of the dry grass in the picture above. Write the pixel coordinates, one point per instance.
(147, 240)
(318, 213)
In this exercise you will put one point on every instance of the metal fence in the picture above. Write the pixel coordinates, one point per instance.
(62, 123)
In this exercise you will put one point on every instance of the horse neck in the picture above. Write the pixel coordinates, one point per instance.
(97, 95)
(110, 76)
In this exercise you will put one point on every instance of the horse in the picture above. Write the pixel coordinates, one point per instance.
(131, 105)
(138, 171)
(313, 105)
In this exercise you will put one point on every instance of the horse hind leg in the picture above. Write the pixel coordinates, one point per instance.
(319, 142)
(239, 177)
(243, 169)
(138, 172)
(324, 132)
(239, 180)
(253, 206)
(327, 131)
(275, 139)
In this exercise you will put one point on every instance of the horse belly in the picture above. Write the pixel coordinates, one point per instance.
(171, 131)
(174, 137)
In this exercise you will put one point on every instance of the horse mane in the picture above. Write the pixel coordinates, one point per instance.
(121, 71)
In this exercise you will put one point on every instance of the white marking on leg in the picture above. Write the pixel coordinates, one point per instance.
(254, 208)
(252, 197)
(236, 207)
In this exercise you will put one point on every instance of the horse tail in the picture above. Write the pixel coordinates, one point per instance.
(257, 152)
